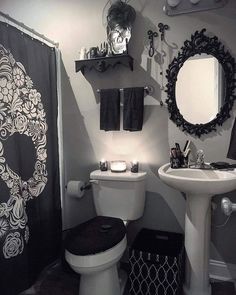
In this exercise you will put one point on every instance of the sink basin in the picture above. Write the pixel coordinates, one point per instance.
(199, 186)
(197, 181)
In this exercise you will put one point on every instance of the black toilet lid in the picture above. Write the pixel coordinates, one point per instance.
(95, 235)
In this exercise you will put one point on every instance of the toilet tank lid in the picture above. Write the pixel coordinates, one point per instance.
(121, 176)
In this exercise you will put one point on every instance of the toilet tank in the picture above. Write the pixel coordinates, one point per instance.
(120, 195)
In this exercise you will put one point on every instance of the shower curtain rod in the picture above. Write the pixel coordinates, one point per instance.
(22, 25)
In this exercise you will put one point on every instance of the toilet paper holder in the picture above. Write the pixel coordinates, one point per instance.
(76, 188)
(85, 186)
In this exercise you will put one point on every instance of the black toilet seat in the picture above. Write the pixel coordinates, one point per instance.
(95, 235)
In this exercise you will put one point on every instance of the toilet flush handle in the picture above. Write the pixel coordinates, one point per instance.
(93, 181)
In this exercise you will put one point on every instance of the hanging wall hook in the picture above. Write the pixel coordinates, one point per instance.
(162, 29)
(151, 36)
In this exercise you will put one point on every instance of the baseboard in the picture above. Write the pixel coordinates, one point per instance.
(220, 270)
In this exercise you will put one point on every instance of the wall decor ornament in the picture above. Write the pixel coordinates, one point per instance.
(200, 43)
(162, 28)
(103, 50)
(120, 18)
(151, 36)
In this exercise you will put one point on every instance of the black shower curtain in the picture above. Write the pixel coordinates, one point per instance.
(30, 211)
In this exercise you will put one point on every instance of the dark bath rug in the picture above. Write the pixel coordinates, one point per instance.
(54, 280)
(59, 280)
(223, 288)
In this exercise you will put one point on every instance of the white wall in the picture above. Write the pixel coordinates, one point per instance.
(79, 23)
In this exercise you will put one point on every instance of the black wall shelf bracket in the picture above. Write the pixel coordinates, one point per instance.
(101, 64)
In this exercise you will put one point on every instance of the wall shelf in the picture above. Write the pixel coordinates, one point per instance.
(101, 64)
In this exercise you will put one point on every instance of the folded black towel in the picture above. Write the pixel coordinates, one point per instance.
(232, 146)
(133, 109)
(110, 109)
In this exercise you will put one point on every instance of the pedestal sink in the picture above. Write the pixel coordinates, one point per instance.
(199, 186)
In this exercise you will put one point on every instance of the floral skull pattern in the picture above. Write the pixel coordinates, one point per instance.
(21, 111)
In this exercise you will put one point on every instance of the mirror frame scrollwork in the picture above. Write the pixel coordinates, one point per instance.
(200, 43)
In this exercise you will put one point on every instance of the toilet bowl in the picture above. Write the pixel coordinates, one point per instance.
(94, 247)
(98, 272)
(93, 250)
(96, 262)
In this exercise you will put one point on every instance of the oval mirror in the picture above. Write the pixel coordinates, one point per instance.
(202, 99)
(201, 85)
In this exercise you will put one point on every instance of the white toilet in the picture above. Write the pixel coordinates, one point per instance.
(94, 248)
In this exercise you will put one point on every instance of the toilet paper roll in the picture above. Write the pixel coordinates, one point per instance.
(74, 188)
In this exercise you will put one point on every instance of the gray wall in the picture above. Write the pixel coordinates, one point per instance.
(79, 23)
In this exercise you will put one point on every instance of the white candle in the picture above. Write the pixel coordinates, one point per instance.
(118, 166)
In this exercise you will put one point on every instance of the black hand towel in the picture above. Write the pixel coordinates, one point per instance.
(110, 109)
(133, 109)
(232, 146)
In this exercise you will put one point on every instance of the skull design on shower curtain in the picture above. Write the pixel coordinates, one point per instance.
(21, 111)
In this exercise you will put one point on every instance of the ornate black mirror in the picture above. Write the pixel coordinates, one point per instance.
(201, 85)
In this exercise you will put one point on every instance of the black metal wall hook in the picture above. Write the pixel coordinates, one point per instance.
(162, 29)
(151, 36)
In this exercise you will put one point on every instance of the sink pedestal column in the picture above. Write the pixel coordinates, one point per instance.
(197, 244)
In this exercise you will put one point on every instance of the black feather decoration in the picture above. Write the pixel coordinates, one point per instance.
(121, 14)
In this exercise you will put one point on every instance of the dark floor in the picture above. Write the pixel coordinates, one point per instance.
(56, 281)
(223, 288)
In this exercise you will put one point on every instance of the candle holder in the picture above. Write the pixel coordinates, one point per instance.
(118, 166)
(134, 167)
(103, 165)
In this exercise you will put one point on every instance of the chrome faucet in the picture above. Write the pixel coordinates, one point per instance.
(200, 163)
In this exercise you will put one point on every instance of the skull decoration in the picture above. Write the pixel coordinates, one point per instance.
(21, 111)
(120, 18)
(118, 39)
